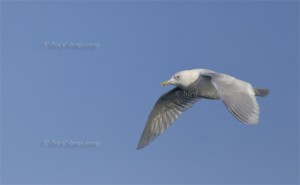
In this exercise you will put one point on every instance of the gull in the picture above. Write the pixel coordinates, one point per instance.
(192, 85)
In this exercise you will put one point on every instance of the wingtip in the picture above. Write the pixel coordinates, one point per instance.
(251, 120)
(142, 145)
(139, 147)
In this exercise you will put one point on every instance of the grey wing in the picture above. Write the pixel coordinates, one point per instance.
(165, 111)
(237, 95)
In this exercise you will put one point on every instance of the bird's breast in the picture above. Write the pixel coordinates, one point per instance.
(202, 88)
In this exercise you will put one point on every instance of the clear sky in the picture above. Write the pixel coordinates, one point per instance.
(54, 95)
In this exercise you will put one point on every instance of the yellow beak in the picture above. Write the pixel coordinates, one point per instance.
(165, 83)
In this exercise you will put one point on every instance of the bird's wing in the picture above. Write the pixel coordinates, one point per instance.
(165, 111)
(237, 95)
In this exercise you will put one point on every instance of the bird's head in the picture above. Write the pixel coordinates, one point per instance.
(183, 78)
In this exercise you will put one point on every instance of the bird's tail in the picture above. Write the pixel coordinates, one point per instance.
(261, 92)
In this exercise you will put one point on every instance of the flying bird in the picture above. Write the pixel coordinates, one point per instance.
(192, 85)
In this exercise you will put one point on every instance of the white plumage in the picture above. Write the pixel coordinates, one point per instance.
(237, 95)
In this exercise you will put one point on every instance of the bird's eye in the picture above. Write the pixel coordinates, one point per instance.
(176, 77)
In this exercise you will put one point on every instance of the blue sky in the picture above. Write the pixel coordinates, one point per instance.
(104, 94)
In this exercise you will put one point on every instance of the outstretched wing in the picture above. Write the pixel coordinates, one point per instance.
(165, 111)
(237, 95)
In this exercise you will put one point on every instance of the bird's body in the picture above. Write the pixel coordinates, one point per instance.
(192, 85)
(201, 86)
